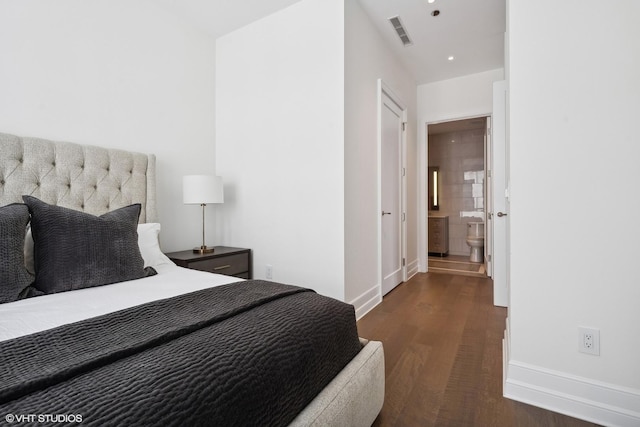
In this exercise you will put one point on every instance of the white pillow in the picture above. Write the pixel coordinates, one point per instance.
(29, 258)
(149, 245)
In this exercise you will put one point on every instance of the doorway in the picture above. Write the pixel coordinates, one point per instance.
(457, 195)
(392, 189)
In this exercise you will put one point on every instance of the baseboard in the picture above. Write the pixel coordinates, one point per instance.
(367, 301)
(412, 268)
(506, 351)
(583, 398)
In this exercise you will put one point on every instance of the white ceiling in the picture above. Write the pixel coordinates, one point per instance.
(219, 17)
(470, 30)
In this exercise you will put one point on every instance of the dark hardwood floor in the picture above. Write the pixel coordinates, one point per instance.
(442, 341)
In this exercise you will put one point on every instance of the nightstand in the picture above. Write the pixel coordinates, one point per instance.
(223, 260)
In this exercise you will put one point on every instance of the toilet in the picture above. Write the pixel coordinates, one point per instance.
(475, 239)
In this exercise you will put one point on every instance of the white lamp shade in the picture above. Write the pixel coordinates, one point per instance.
(199, 189)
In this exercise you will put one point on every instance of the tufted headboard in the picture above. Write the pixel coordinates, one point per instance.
(81, 177)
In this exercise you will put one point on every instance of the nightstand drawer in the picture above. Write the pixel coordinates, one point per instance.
(230, 265)
(223, 260)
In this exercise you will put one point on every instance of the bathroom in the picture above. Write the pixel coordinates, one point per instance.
(457, 191)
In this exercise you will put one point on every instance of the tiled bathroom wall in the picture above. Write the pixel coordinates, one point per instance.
(460, 157)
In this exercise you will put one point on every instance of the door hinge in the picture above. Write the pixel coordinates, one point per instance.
(403, 216)
(403, 262)
(489, 173)
(404, 124)
(404, 172)
(489, 258)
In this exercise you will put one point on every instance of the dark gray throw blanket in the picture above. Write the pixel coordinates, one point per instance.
(247, 353)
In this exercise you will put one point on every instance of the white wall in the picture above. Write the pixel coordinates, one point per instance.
(117, 73)
(462, 97)
(367, 58)
(280, 138)
(467, 96)
(574, 206)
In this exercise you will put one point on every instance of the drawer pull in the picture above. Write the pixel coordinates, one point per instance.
(222, 267)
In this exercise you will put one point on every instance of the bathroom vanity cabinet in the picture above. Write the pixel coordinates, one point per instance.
(438, 235)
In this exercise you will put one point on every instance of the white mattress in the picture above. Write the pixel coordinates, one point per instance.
(32, 315)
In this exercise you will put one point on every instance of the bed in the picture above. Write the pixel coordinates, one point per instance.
(159, 344)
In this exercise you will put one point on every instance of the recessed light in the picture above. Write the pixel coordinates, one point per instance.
(431, 1)
(451, 58)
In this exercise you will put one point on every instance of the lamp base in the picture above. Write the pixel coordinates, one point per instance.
(203, 250)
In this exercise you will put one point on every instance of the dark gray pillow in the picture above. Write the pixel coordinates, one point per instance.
(75, 250)
(14, 277)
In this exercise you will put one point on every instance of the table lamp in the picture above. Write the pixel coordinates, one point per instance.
(200, 190)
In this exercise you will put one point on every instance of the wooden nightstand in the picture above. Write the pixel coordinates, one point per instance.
(223, 260)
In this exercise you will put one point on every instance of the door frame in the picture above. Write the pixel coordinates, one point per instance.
(488, 196)
(384, 89)
(423, 162)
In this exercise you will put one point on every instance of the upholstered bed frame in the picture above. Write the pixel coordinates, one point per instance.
(97, 180)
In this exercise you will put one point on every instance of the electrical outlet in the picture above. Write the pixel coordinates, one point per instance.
(269, 272)
(589, 341)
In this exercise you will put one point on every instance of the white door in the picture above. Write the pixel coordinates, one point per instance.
(391, 201)
(500, 208)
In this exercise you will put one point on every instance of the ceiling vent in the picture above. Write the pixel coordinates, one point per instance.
(402, 33)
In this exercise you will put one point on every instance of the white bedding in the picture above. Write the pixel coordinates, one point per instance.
(32, 315)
